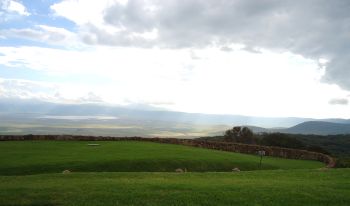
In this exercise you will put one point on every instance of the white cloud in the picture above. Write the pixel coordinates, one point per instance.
(89, 16)
(215, 82)
(279, 26)
(91, 98)
(18, 7)
(44, 33)
(339, 101)
(258, 58)
(82, 11)
(15, 88)
(47, 91)
(12, 6)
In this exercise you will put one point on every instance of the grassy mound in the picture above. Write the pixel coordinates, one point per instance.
(35, 157)
(273, 187)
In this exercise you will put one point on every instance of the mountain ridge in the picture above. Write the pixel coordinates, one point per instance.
(319, 128)
(39, 109)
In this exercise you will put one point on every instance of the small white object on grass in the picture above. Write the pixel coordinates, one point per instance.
(66, 172)
(93, 144)
(179, 170)
(236, 169)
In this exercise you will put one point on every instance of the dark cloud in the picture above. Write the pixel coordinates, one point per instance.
(226, 49)
(94, 35)
(135, 15)
(338, 69)
(312, 28)
(252, 50)
(338, 101)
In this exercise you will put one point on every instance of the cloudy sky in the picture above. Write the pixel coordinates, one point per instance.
(249, 57)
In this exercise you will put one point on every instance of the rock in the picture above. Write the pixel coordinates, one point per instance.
(236, 169)
(179, 170)
(66, 172)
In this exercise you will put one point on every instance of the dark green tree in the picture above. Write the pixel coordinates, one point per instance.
(240, 135)
(281, 140)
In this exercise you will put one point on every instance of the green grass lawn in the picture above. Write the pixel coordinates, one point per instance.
(269, 187)
(142, 173)
(38, 157)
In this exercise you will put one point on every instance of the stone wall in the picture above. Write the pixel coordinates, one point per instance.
(224, 146)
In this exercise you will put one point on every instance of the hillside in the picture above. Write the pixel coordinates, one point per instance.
(35, 157)
(310, 127)
(143, 173)
(38, 117)
(318, 128)
(34, 109)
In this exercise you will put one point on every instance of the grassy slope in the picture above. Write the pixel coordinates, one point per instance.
(35, 157)
(274, 187)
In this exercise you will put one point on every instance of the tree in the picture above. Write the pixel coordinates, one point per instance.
(281, 140)
(240, 135)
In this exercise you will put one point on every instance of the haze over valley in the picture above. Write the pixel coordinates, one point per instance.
(38, 117)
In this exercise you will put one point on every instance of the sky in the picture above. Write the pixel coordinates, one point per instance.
(266, 58)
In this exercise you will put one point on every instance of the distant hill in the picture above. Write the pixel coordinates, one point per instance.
(24, 112)
(258, 129)
(146, 112)
(309, 127)
(318, 128)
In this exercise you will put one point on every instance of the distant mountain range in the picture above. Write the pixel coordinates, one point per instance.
(28, 108)
(319, 128)
(309, 127)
